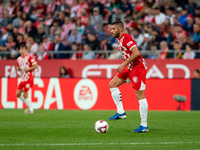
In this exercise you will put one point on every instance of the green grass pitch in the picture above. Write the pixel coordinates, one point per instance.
(74, 129)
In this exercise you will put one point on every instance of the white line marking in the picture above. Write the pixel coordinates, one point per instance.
(74, 144)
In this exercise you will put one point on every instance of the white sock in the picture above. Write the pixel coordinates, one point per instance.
(116, 95)
(143, 111)
(27, 102)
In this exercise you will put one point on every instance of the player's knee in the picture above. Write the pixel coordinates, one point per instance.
(111, 85)
(18, 94)
(25, 95)
(140, 95)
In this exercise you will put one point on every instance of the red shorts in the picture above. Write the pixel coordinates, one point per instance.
(137, 77)
(25, 85)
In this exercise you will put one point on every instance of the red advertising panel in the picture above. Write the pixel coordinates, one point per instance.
(169, 68)
(93, 94)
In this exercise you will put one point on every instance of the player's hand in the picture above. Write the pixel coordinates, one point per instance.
(120, 68)
(17, 69)
(26, 69)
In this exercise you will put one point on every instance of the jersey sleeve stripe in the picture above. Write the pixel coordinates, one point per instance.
(33, 63)
(132, 46)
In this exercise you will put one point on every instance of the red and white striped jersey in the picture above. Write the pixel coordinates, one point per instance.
(125, 44)
(26, 62)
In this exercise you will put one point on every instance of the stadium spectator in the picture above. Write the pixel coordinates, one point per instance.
(113, 10)
(103, 46)
(182, 20)
(189, 25)
(64, 73)
(11, 9)
(196, 74)
(138, 37)
(153, 49)
(17, 19)
(147, 42)
(87, 52)
(168, 37)
(156, 37)
(149, 18)
(194, 44)
(170, 14)
(42, 55)
(82, 6)
(197, 10)
(74, 37)
(159, 17)
(47, 44)
(125, 8)
(96, 3)
(189, 54)
(20, 41)
(40, 33)
(179, 30)
(30, 29)
(149, 4)
(32, 47)
(191, 7)
(64, 7)
(10, 46)
(166, 3)
(115, 54)
(18, 7)
(22, 27)
(4, 36)
(51, 7)
(177, 48)
(96, 20)
(74, 9)
(6, 19)
(52, 33)
(183, 41)
(88, 28)
(24, 17)
(92, 41)
(40, 8)
(139, 9)
(61, 18)
(75, 55)
(196, 33)
(163, 50)
(28, 8)
(129, 22)
(58, 46)
(1, 11)
(80, 26)
(68, 26)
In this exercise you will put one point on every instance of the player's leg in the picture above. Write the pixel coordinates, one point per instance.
(139, 84)
(28, 103)
(116, 95)
(143, 108)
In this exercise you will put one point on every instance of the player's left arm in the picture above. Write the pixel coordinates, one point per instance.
(31, 68)
(134, 55)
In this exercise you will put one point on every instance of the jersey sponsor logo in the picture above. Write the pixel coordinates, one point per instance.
(85, 94)
(27, 86)
(129, 43)
(135, 79)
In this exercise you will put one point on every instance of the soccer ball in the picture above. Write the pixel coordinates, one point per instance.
(101, 126)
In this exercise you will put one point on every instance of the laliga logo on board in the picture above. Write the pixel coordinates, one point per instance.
(85, 94)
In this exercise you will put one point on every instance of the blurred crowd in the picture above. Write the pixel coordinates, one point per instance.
(82, 27)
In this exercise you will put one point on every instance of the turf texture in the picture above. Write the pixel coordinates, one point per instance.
(74, 129)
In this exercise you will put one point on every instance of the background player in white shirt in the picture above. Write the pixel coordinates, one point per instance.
(133, 68)
(26, 64)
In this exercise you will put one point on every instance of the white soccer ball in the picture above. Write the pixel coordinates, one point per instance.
(101, 126)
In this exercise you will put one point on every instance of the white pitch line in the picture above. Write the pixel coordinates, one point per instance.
(76, 144)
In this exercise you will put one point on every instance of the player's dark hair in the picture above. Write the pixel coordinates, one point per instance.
(23, 45)
(118, 23)
(197, 70)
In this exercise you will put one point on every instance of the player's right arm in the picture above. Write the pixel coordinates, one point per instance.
(134, 55)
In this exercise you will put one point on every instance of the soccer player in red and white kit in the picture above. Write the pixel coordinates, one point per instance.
(26, 64)
(132, 69)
